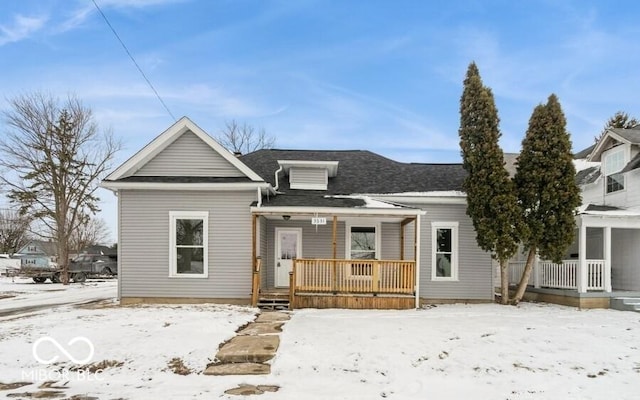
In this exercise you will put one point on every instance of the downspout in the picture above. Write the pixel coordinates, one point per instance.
(259, 197)
(277, 172)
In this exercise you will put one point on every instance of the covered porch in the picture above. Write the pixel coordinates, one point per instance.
(339, 254)
(602, 263)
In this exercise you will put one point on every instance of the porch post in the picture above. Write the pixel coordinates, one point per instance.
(607, 258)
(334, 267)
(581, 275)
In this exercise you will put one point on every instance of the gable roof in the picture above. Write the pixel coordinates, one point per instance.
(628, 136)
(167, 137)
(361, 172)
(43, 248)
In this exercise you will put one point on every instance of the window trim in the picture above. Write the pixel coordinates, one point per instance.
(173, 265)
(453, 225)
(378, 233)
(609, 173)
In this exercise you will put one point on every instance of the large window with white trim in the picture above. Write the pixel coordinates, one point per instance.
(614, 162)
(189, 244)
(444, 251)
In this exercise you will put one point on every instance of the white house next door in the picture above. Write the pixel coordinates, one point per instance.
(288, 247)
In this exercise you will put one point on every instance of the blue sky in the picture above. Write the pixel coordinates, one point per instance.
(379, 75)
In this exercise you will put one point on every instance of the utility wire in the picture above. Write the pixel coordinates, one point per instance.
(133, 59)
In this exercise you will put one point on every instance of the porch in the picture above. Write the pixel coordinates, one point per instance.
(297, 250)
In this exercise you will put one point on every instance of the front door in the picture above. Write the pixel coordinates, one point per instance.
(288, 247)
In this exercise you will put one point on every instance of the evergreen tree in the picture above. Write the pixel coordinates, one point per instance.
(491, 199)
(619, 120)
(547, 192)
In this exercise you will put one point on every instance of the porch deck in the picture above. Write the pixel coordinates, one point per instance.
(343, 283)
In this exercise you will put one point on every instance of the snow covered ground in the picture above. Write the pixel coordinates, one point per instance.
(489, 351)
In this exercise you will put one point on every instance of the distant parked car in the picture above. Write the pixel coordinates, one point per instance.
(87, 265)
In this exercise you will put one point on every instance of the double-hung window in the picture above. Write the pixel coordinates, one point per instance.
(444, 259)
(188, 250)
(613, 164)
(363, 245)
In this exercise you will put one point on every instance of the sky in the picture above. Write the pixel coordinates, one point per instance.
(384, 76)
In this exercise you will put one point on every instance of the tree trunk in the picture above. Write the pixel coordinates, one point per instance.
(524, 280)
(504, 281)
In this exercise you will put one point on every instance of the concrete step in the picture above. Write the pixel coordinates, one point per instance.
(625, 303)
(273, 302)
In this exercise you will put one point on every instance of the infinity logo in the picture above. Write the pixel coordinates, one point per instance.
(62, 350)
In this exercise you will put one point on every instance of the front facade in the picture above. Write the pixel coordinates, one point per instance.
(329, 228)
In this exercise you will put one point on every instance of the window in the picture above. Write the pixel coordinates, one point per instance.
(445, 251)
(362, 245)
(189, 244)
(613, 164)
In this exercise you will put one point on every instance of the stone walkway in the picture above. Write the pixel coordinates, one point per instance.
(251, 348)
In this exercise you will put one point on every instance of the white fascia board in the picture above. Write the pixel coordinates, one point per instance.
(331, 166)
(167, 137)
(611, 221)
(337, 211)
(117, 185)
(599, 149)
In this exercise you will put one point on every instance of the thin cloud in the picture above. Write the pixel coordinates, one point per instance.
(22, 27)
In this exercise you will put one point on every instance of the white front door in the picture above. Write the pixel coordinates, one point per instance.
(288, 247)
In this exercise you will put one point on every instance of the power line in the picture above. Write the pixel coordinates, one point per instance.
(124, 46)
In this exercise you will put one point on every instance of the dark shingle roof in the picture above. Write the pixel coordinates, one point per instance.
(633, 164)
(585, 152)
(310, 200)
(361, 171)
(632, 134)
(597, 207)
(588, 175)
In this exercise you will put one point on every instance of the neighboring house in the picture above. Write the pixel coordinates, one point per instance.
(346, 229)
(38, 254)
(604, 260)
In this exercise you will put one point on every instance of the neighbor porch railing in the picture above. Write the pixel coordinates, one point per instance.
(547, 274)
(354, 276)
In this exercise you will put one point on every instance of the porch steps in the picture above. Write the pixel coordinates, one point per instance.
(273, 301)
(626, 303)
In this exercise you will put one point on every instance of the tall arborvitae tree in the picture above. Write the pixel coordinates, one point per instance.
(547, 191)
(491, 199)
(619, 120)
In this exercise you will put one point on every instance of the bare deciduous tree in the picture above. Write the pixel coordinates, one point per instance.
(14, 229)
(53, 157)
(244, 138)
(94, 232)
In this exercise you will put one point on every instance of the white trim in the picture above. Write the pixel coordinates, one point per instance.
(167, 137)
(301, 210)
(421, 199)
(330, 166)
(173, 216)
(350, 224)
(455, 253)
(115, 185)
(276, 250)
(596, 154)
(417, 255)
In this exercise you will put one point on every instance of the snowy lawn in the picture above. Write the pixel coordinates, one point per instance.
(486, 351)
(460, 352)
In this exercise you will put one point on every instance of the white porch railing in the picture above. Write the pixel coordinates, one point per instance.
(547, 274)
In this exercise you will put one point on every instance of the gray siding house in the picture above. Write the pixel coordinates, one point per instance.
(346, 229)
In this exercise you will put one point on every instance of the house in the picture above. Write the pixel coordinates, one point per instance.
(347, 229)
(603, 263)
(37, 254)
